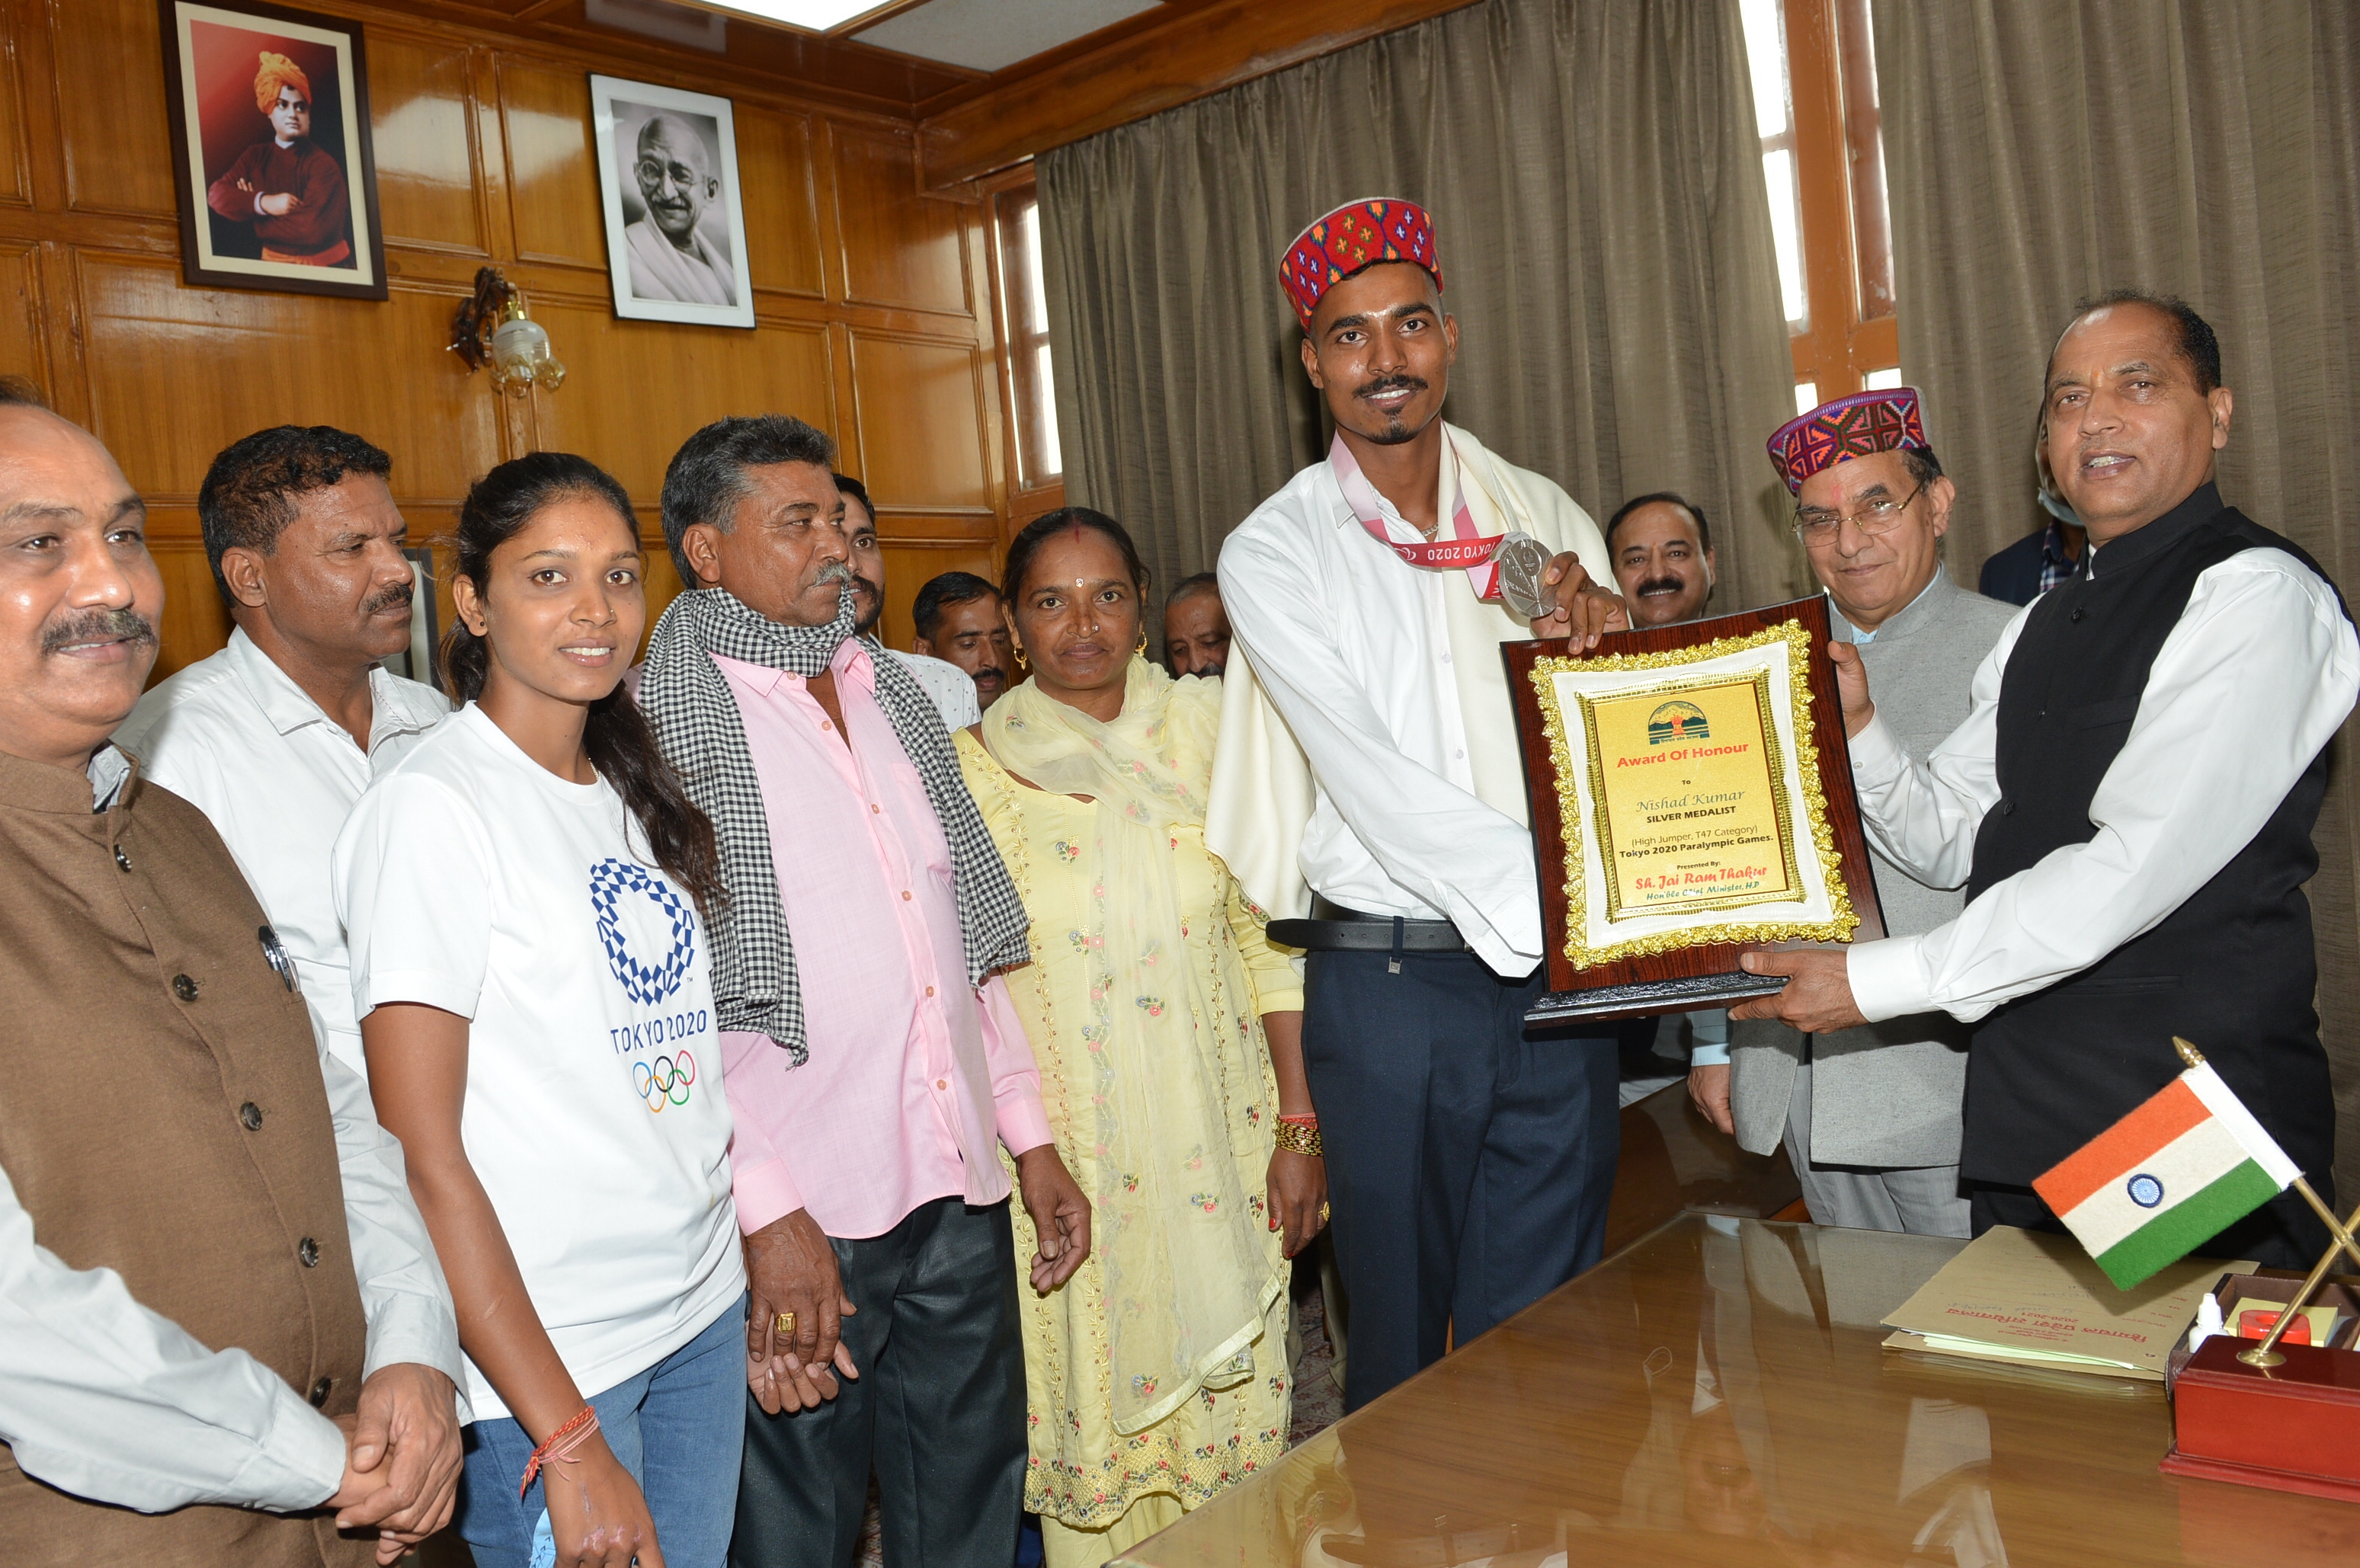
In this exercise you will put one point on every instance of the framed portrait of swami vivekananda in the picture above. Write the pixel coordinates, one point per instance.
(1691, 798)
(273, 167)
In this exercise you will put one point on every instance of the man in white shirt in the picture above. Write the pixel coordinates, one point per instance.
(1468, 1165)
(275, 736)
(218, 1309)
(953, 692)
(2130, 799)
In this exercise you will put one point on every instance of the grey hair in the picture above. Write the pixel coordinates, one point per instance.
(707, 478)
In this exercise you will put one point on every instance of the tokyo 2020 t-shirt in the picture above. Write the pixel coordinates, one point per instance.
(472, 879)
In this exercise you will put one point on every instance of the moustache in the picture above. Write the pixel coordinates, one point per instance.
(836, 571)
(1661, 586)
(126, 624)
(388, 597)
(1389, 383)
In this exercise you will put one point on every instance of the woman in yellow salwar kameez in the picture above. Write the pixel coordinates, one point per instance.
(1169, 1037)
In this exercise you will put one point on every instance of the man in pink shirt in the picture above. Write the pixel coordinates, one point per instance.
(868, 1051)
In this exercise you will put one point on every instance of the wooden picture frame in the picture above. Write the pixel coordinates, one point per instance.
(1609, 960)
(281, 199)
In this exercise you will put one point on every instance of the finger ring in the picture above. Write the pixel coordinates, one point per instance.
(786, 1323)
(1323, 1214)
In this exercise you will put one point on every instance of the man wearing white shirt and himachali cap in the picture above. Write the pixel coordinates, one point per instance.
(1369, 779)
(2131, 799)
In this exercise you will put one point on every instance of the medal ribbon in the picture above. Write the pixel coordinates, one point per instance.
(1466, 549)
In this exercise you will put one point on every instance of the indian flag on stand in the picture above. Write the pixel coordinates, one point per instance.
(2160, 1182)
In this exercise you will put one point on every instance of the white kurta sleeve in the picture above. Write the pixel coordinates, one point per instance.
(107, 1400)
(1434, 839)
(403, 1294)
(2218, 742)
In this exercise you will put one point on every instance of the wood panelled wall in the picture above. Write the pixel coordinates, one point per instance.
(871, 300)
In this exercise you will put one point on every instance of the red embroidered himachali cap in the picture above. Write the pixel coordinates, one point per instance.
(1857, 426)
(1356, 234)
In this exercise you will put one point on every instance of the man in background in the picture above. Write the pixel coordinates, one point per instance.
(1196, 630)
(275, 736)
(2130, 800)
(954, 694)
(1662, 550)
(959, 621)
(291, 192)
(2043, 559)
(671, 258)
(218, 1312)
(1871, 1114)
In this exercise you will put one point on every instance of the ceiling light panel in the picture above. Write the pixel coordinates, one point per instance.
(817, 16)
(987, 35)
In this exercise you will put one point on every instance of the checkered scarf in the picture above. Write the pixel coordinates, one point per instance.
(688, 702)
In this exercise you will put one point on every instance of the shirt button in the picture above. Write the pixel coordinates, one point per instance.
(1445, 658)
(320, 1391)
(942, 1083)
(184, 988)
(930, 990)
(2076, 614)
(251, 1115)
(2007, 808)
(874, 807)
(122, 859)
(825, 726)
(309, 1251)
(905, 895)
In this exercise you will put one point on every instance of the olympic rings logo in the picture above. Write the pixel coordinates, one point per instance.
(664, 1082)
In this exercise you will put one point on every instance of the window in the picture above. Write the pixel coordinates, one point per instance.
(1032, 393)
(1814, 69)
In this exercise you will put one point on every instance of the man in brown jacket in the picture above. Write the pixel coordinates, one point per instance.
(224, 1338)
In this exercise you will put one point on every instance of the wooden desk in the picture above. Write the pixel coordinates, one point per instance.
(1717, 1393)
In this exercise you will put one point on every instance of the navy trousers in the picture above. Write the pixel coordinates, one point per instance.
(1468, 1166)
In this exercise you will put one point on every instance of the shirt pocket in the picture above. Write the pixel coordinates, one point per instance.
(2099, 715)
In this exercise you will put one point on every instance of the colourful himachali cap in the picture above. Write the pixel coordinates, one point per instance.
(1857, 426)
(2167, 1178)
(1356, 234)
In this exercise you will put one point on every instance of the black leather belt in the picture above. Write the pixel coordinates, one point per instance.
(1335, 928)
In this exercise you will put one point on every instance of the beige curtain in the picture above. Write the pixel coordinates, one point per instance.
(2040, 150)
(1594, 173)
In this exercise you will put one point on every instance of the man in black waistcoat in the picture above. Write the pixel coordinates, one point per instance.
(2129, 802)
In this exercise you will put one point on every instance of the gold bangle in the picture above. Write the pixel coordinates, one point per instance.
(1296, 1139)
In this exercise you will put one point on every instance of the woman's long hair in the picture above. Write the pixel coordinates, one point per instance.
(500, 505)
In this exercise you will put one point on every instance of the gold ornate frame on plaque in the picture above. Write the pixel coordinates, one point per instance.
(1727, 836)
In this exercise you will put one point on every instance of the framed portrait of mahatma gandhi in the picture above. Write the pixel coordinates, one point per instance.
(675, 222)
(275, 174)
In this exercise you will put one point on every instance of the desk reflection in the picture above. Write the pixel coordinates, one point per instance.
(1718, 1393)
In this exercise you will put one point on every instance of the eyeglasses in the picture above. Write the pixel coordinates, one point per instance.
(1878, 516)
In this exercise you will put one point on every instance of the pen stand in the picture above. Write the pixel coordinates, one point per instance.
(2294, 1427)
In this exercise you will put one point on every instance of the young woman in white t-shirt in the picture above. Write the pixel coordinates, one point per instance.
(523, 896)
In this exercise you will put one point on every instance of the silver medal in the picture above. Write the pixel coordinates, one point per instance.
(1520, 560)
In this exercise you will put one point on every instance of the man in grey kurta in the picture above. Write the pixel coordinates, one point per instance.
(1871, 1115)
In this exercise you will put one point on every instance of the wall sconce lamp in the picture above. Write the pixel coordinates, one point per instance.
(492, 328)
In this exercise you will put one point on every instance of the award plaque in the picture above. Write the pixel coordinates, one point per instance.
(1691, 798)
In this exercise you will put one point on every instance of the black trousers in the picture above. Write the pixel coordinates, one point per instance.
(2282, 1234)
(1468, 1165)
(938, 1410)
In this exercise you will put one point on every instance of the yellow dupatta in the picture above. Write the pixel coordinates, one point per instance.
(1172, 1226)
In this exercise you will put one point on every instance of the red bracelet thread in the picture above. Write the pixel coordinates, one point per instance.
(1302, 1121)
(561, 1446)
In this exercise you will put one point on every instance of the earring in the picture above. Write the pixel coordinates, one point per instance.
(1017, 651)
(1140, 651)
